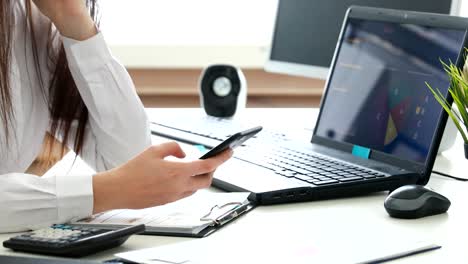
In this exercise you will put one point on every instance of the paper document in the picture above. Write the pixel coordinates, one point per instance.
(189, 215)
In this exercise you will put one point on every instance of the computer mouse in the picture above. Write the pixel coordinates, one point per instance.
(415, 201)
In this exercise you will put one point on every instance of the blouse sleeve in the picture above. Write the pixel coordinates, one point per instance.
(118, 126)
(31, 202)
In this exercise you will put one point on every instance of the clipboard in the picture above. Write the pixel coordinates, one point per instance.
(197, 216)
(218, 222)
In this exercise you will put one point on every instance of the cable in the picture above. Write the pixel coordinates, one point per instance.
(450, 176)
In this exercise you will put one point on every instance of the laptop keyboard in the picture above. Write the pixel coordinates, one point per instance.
(309, 167)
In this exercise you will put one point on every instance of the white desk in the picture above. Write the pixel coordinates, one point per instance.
(357, 224)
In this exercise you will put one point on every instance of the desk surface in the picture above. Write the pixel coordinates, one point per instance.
(356, 224)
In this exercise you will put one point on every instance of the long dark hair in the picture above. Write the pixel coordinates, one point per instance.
(64, 102)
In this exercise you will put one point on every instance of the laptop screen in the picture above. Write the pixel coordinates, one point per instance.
(377, 97)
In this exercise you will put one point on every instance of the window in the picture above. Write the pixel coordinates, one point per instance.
(191, 33)
(185, 33)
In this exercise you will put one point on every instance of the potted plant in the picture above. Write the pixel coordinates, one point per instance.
(459, 91)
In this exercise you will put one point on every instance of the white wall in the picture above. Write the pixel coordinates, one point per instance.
(464, 8)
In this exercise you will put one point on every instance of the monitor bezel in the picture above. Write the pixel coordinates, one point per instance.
(396, 16)
(313, 71)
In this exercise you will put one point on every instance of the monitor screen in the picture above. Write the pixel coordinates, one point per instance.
(306, 31)
(377, 95)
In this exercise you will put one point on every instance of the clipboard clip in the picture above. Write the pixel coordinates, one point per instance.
(226, 216)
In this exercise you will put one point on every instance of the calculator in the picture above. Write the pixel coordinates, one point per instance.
(70, 241)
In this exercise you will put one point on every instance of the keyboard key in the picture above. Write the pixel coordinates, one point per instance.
(302, 177)
(328, 168)
(301, 171)
(353, 171)
(286, 166)
(339, 167)
(324, 182)
(362, 173)
(303, 166)
(315, 175)
(337, 177)
(348, 179)
(314, 169)
(323, 178)
(288, 174)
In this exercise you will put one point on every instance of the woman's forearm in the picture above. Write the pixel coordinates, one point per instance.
(70, 17)
(78, 28)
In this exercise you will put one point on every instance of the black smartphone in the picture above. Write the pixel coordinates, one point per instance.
(232, 142)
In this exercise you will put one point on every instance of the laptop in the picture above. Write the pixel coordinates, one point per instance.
(379, 126)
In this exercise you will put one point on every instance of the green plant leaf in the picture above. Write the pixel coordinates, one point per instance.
(441, 99)
(459, 105)
(455, 97)
(457, 92)
(458, 89)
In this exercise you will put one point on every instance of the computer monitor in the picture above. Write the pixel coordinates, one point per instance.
(306, 31)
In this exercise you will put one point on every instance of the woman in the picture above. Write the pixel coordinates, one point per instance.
(57, 76)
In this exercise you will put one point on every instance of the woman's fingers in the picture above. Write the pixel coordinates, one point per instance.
(201, 181)
(199, 167)
(168, 149)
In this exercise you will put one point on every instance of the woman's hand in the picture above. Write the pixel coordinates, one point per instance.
(71, 17)
(150, 180)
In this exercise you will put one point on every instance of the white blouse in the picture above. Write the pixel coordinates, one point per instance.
(117, 129)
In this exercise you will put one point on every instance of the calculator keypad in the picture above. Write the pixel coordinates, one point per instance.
(71, 241)
(57, 235)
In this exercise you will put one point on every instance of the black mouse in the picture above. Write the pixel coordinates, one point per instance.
(415, 201)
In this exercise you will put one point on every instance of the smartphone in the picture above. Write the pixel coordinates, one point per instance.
(232, 142)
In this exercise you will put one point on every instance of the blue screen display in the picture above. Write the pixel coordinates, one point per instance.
(377, 96)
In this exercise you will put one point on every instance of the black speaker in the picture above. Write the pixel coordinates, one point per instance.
(223, 90)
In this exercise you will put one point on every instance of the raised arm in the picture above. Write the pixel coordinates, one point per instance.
(118, 127)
